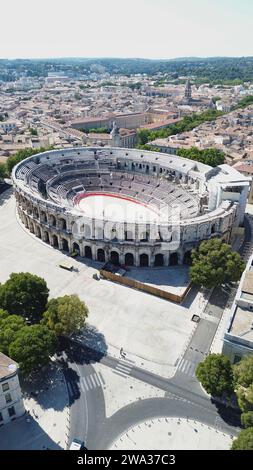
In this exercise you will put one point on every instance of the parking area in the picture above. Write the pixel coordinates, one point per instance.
(148, 328)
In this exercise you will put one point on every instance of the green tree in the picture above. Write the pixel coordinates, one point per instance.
(214, 263)
(10, 325)
(216, 375)
(24, 294)
(244, 441)
(245, 397)
(243, 371)
(33, 131)
(211, 156)
(247, 419)
(21, 155)
(65, 315)
(2, 170)
(33, 347)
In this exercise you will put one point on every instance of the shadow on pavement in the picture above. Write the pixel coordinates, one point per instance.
(72, 380)
(230, 415)
(46, 388)
(25, 433)
(4, 193)
(88, 347)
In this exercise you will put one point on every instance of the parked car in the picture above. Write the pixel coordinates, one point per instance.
(76, 444)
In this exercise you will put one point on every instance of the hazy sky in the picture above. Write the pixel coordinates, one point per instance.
(126, 28)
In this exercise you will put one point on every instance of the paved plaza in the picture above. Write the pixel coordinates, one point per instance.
(152, 331)
(170, 433)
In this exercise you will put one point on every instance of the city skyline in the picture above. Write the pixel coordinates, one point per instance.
(164, 29)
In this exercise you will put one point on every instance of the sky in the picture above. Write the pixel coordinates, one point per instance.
(126, 28)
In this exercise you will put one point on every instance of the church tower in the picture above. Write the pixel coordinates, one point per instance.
(188, 91)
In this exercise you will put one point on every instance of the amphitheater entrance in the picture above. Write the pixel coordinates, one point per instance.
(55, 241)
(114, 258)
(174, 259)
(159, 260)
(144, 260)
(38, 232)
(129, 259)
(63, 224)
(101, 255)
(87, 252)
(65, 245)
(188, 258)
(46, 237)
(76, 247)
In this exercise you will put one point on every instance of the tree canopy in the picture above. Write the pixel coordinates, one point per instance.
(247, 419)
(10, 325)
(243, 372)
(244, 441)
(65, 315)
(33, 347)
(21, 155)
(214, 263)
(216, 375)
(211, 156)
(24, 294)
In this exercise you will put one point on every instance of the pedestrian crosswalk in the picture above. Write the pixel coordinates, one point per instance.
(123, 368)
(86, 383)
(187, 367)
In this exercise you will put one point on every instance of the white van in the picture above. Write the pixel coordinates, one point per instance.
(76, 445)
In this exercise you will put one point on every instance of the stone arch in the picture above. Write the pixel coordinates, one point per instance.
(38, 231)
(35, 213)
(88, 252)
(86, 230)
(31, 227)
(62, 224)
(55, 241)
(52, 220)
(173, 259)
(76, 247)
(159, 259)
(46, 237)
(65, 244)
(129, 259)
(187, 258)
(144, 260)
(114, 257)
(144, 236)
(43, 216)
(101, 255)
(129, 236)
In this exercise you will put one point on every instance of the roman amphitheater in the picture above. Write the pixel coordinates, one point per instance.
(127, 206)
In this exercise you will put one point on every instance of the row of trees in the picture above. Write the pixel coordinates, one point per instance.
(220, 378)
(187, 123)
(30, 324)
(6, 168)
(214, 263)
(211, 156)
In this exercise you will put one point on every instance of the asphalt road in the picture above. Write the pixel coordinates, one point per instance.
(183, 395)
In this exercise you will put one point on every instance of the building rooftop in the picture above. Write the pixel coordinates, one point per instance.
(242, 324)
(6, 364)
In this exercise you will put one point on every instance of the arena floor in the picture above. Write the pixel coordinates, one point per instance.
(117, 208)
(148, 328)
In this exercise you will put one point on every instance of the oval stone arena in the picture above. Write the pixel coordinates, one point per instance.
(131, 207)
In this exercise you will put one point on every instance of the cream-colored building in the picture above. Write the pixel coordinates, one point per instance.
(11, 401)
(238, 337)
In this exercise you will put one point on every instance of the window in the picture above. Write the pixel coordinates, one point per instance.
(8, 398)
(1, 417)
(11, 411)
(5, 387)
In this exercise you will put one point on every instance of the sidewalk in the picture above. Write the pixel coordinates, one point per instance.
(45, 423)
